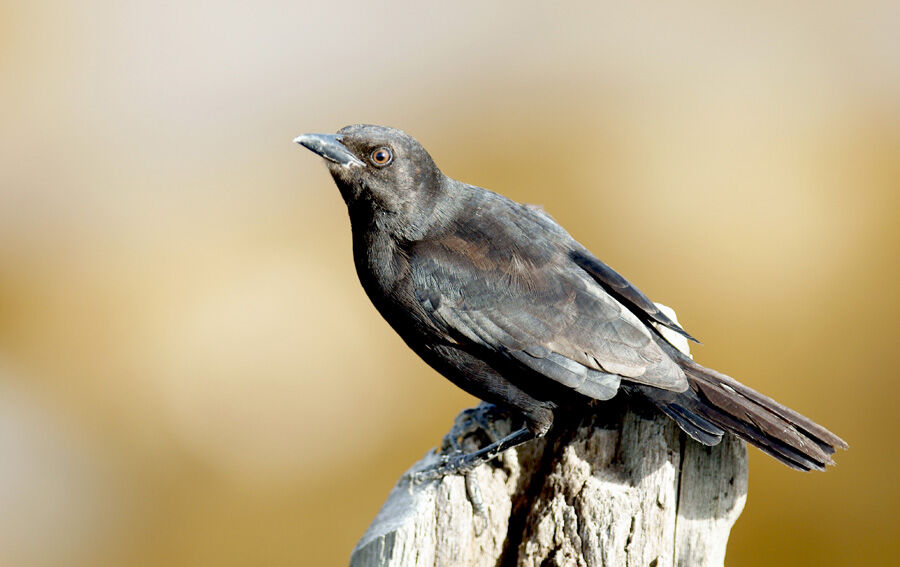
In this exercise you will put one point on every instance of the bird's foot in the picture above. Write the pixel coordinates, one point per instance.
(472, 424)
(473, 428)
(461, 448)
(459, 462)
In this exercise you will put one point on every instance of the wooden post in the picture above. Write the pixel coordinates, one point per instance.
(620, 489)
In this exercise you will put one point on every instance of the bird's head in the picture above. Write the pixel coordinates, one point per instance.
(378, 169)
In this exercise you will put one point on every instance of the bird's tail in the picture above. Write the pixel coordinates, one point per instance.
(715, 403)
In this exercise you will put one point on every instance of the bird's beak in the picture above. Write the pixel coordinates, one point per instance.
(328, 146)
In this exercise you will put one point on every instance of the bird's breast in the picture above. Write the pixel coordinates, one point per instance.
(384, 271)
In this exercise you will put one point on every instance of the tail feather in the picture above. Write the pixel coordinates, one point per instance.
(694, 425)
(715, 403)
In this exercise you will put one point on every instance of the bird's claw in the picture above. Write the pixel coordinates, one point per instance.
(478, 421)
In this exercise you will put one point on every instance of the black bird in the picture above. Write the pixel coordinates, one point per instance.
(498, 298)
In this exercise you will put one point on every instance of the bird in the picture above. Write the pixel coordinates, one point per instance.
(498, 298)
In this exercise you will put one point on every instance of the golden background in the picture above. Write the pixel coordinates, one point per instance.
(190, 373)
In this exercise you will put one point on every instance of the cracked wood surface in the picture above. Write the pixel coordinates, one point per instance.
(625, 487)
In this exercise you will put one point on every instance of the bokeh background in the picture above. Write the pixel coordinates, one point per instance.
(190, 373)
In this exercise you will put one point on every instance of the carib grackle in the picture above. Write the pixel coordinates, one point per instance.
(498, 298)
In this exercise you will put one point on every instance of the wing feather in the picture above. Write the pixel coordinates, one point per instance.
(534, 305)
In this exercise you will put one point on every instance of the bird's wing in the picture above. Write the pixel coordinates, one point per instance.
(623, 290)
(524, 299)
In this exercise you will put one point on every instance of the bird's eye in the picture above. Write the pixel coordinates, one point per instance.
(381, 157)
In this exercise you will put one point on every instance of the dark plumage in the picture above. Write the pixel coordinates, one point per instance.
(498, 298)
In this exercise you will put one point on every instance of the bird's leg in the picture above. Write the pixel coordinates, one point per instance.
(466, 462)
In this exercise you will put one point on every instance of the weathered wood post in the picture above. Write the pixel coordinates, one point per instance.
(618, 490)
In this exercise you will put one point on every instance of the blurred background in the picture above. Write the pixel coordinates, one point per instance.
(190, 373)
